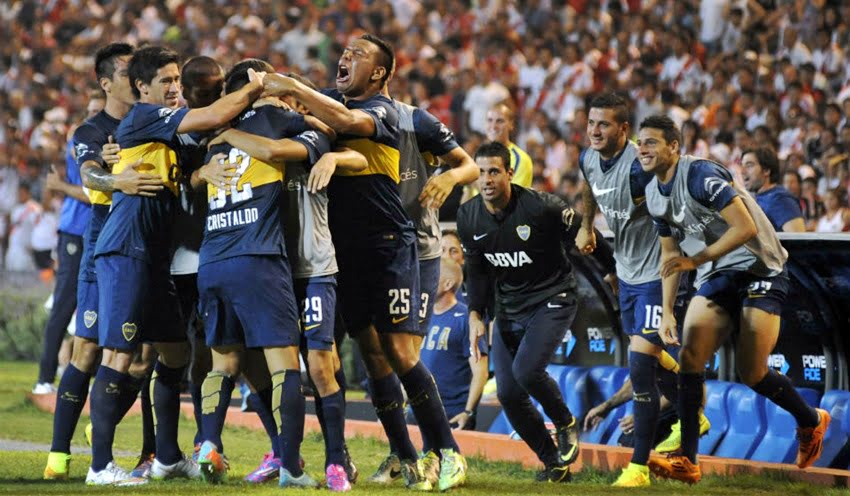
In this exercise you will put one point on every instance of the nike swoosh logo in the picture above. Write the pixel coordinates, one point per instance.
(394, 473)
(476, 237)
(600, 192)
(679, 217)
(307, 328)
(458, 314)
(649, 331)
(550, 305)
(396, 320)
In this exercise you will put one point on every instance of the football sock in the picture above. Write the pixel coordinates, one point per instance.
(104, 412)
(70, 399)
(642, 368)
(427, 407)
(166, 408)
(216, 392)
(388, 400)
(779, 389)
(288, 405)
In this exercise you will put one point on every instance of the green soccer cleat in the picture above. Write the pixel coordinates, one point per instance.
(452, 469)
(57, 467)
(674, 440)
(88, 434)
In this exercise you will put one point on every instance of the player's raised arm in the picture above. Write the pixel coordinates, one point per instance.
(262, 148)
(220, 113)
(333, 113)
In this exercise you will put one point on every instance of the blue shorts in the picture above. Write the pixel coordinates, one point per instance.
(640, 310)
(316, 297)
(248, 300)
(87, 306)
(381, 287)
(429, 279)
(136, 303)
(733, 290)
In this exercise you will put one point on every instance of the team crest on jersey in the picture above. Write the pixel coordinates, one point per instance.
(89, 318)
(129, 330)
(567, 216)
(523, 232)
(80, 149)
(71, 248)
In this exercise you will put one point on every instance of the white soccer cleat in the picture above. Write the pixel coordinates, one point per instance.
(44, 388)
(185, 468)
(113, 475)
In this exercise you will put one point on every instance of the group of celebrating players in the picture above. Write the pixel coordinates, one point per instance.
(321, 210)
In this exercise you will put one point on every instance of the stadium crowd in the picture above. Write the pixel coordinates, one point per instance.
(731, 73)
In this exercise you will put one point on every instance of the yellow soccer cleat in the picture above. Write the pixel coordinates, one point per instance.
(674, 440)
(452, 469)
(88, 433)
(633, 475)
(57, 467)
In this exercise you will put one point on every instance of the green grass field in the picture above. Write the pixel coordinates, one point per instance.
(20, 472)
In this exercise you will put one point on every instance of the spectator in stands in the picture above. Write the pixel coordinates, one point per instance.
(24, 217)
(500, 124)
(836, 217)
(761, 178)
(814, 206)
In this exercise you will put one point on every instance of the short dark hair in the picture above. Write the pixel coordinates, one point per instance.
(196, 69)
(665, 124)
(104, 59)
(146, 61)
(237, 76)
(387, 58)
(767, 159)
(495, 149)
(451, 232)
(615, 102)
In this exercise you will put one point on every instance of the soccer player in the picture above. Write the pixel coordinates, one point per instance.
(132, 260)
(761, 178)
(500, 125)
(422, 140)
(446, 351)
(89, 139)
(615, 184)
(311, 253)
(203, 83)
(741, 283)
(378, 280)
(518, 238)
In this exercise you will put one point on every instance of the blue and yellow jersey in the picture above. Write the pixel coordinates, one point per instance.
(139, 226)
(433, 138)
(366, 204)
(521, 165)
(88, 141)
(246, 219)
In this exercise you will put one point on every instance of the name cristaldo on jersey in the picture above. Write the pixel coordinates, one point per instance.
(232, 218)
(508, 259)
